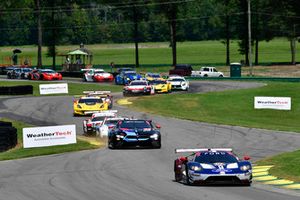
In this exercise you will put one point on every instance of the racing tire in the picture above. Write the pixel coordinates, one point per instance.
(23, 76)
(2, 123)
(177, 176)
(156, 145)
(187, 179)
(247, 184)
(111, 145)
(205, 75)
(8, 76)
(221, 76)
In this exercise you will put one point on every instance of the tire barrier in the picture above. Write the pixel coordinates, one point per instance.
(16, 90)
(8, 136)
(72, 74)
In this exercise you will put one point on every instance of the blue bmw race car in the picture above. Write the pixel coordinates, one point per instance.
(212, 166)
(135, 133)
(125, 77)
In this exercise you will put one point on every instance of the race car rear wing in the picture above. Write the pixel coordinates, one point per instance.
(104, 113)
(202, 149)
(96, 92)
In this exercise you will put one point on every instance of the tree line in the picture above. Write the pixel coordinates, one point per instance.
(58, 22)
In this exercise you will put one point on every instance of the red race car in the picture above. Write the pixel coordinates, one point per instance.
(44, 74)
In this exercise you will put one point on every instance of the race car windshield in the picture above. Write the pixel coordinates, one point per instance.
(130, 74)
(90, 101)
(111, 122)
(138, 83)
(215, 157)
(27, 70)
(48, 71)
(176, 79)
(155, 75)
(137, 124)
(157, 82)
(98, 118)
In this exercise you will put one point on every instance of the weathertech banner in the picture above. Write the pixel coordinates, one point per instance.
(49, 136)
(277, 103)
(54, 88)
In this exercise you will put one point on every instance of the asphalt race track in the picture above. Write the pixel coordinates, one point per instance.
(142, 174)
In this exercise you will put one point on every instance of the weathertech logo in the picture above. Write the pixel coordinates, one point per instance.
(273, 102)
(277, 103)
(57, 133)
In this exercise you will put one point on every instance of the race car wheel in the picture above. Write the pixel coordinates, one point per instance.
(23, 76)
(156, 145)
(187, 179)
(178, 177)
(111, 145)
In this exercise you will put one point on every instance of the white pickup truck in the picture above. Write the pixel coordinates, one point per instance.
(207, 72)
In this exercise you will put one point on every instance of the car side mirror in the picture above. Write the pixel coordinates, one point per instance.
(158, 126)
(247, 158)
(183, 159)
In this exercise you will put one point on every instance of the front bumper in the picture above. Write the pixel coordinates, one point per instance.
(220, 178)
(87, 112)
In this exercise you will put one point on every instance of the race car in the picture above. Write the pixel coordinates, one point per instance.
(15, 73)
(161, 86)
(44, 74)
(105, 95)
(97, 75)
(134, 133)
(212, 166)
(138, 87)
(108, 124)
(179, 83)
(125, 77)
(153, 76)
(89, 125)
(89, 104)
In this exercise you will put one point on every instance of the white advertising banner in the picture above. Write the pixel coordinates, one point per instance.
(49, 136)
(54, 88)
(277, 103)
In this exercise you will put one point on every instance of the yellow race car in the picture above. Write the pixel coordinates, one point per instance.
(87, 105)
(161, 86)
(153, 76)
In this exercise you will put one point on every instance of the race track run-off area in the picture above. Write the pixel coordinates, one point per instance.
(133, 174)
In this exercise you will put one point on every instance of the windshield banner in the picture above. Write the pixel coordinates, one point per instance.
(277, 103)
(49, 136)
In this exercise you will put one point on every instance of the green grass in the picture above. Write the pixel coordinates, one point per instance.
(286, 165)
(74, 88)
(229, 107)
(200, 52)
(20, 152)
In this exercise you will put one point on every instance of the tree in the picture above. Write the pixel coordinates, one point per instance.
(39, 28)
(169, 9)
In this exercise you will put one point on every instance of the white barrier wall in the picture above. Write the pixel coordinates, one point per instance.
(49, 136)
(54, 88)
(277, 103)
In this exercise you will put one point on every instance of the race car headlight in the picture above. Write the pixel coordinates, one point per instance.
(78, 106)
(245, 167)
(183, 84)
(196, 168)
(154, 136)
